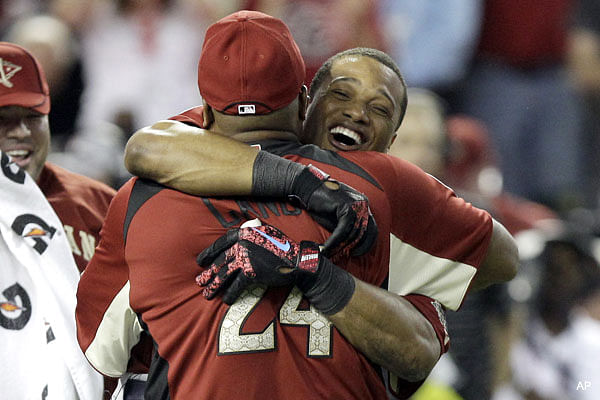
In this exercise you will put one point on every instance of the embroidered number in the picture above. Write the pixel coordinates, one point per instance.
(320, 328)
(232, 341)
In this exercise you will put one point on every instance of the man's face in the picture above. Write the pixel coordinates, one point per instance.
(357, 108)
(25, 137)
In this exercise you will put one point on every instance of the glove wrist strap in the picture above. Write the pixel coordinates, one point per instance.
(306, 183)
(274, 176)
(330, 290)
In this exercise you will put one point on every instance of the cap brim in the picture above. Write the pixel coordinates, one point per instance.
(36, 101)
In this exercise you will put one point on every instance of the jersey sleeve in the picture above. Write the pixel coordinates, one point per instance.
(107, 327)
(439, 240)
(194, 116)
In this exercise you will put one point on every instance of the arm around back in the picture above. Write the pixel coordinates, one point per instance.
(204, 163)
(191, 159)
(390, 331)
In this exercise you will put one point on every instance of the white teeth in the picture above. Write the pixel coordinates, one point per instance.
(347, 132)
(18, 153)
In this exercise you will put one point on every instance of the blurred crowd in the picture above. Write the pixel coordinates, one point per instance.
(504, 107)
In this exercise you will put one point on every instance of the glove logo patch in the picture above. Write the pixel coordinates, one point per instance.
(308, 257)
(281, 246)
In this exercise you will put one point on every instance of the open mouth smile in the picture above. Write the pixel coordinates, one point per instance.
(345, 139)
(20, 157)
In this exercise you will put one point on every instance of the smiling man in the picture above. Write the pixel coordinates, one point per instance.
(358, 102)
(358, 99)
(80, 202)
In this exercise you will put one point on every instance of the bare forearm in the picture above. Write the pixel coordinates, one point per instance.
(191, 159)
(501, 261)
(389, 331)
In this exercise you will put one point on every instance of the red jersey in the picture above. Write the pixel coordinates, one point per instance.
(526, 33)
(269, 343)
(81, 204)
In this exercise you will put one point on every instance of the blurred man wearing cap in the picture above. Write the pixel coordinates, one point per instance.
(79, 202)
(247, 313)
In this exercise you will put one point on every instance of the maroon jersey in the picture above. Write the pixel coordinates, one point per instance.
(81, 204)
(270, 343)
(526, 33)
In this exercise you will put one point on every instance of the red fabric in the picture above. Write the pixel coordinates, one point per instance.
(525, 33)
(472, 228)
(81, 204)
(433, 311)
(111, 247)
(249, 59)
(518, 214)
(193, 116)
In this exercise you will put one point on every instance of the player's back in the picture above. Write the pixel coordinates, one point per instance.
(269, 343)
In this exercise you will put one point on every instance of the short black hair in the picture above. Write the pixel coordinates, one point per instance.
(325, 70)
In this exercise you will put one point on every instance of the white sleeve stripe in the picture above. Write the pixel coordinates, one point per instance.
(117, 333)
(415, 271)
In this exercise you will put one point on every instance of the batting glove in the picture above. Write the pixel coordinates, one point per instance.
(244, 256)
(336, 206)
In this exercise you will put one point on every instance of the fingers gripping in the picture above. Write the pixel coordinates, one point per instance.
(368, 239)
(208, 256)
(255, 256)
(356, 231)
(345, 212)
(220, 275)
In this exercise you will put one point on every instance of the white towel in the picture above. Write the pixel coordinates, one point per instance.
(41, 358)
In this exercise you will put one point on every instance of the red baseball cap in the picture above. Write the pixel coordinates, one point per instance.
(250, 64)
(22, 80)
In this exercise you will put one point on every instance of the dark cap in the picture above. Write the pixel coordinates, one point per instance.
(250, 64)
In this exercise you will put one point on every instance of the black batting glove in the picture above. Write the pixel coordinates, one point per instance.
(336, 206)
(339, 208)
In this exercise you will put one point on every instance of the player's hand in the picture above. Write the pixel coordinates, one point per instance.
(265, 255)
(340, 209)
(244, 256)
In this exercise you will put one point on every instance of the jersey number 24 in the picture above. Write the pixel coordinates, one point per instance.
(233, 341)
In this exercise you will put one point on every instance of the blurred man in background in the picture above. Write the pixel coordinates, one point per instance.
(79, 202)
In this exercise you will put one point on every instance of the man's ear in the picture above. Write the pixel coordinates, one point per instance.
(207, 116)
(391, 142)
(303, 101)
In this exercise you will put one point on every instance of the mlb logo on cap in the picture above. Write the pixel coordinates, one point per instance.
(246, 109)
